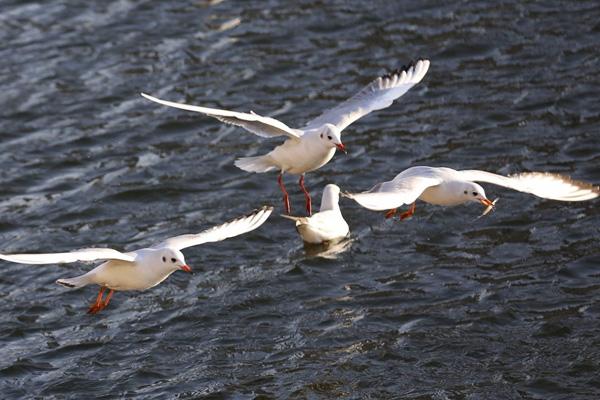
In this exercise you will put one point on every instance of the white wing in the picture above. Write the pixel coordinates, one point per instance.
(379, 94)
(74, 256)
(328, 222)
(221, 232)
(541, 184)
(261, 126)
(393, 194)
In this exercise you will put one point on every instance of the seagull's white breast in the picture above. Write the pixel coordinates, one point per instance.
(300, 156)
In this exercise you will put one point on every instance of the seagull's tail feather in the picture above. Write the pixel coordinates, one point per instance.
(77, 282)
(302, 220)
(256, 164)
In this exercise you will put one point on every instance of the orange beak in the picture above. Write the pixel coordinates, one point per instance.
(341, 147)
(486, 202)
(186, 268)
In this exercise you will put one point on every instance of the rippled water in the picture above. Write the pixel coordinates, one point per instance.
(441, 306)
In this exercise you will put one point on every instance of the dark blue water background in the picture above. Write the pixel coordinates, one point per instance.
(441, 306)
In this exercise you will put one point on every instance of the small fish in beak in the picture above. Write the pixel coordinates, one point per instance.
(489, 206)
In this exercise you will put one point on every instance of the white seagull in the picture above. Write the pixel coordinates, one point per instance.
(448, 187)
(311, 147)
(328, 224)
(140, 269)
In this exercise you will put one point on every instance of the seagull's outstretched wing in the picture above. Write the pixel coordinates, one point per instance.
(379, 94)
(393, 194)
(221, 232)
(73, 256)
(541, 184)
(261, 126)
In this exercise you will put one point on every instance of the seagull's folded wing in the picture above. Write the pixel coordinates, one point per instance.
(328, 223)
(221, 232)
(73, 256)
(379, 94)
(259, 125)
(393, 194)
(541, 184)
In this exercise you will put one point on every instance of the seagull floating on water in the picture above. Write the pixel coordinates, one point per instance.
(449, 187)
(311, 147)
(328, 224)
(140, 269)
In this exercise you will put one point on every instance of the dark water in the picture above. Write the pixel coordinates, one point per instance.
(441, 306)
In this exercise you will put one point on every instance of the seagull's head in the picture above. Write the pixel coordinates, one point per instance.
(173, 259)
(332, 137)
(331, 197)
(471, 191)
(332, 190)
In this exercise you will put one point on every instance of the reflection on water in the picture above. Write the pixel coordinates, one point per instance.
(329, 249)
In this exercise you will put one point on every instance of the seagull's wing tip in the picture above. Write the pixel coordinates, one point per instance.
(265, 209)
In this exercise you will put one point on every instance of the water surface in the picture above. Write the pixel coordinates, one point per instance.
(441, 306)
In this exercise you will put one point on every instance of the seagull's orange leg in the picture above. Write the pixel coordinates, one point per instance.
(107, 299)
(306, 195)
(391, 213)
(286, 197)
(408, 213)
(97, 306)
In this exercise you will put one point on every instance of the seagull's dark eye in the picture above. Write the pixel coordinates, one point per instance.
(474, 193)
(329, 137)
(466, 192)
(173, 260)
(321, 136)
(164, 259)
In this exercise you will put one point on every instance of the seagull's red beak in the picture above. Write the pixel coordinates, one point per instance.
(186, 268)
(341, 147)
(487, 202)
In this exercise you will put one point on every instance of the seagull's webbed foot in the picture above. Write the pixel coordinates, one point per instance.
(286, 197)
(391, 213)
(306, 195)
(408, 213)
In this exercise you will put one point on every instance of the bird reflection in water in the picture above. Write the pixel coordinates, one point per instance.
(329, 250)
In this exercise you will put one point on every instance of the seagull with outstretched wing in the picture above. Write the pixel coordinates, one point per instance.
(140, 269)
(448, 187)
(310, 148)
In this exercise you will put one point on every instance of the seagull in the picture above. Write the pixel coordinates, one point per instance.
(311, 147)
(140, 269)
(328, 224)
(448, 187)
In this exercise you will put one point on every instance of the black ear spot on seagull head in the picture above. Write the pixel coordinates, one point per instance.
(164, 259)
(321, 136)
(466, 192)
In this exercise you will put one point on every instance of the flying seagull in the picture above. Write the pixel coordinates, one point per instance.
(140, 269)
(311, 147)
(448, 187)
